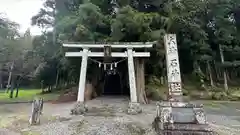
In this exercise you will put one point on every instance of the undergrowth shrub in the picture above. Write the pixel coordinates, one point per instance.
(219, 96)
(155, 90)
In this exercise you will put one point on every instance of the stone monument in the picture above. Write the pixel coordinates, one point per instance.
(177, 116)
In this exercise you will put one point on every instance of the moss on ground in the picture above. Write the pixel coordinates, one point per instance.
(29, 133)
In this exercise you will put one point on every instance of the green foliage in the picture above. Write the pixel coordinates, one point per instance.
(201, 28)
(219, 96)
(15, 49)
(214, 95)
(155, 90)
(131, 22)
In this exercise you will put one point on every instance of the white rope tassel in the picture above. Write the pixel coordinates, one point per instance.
(99, 64)
(105, 66)
(115, 64)
(111, 67)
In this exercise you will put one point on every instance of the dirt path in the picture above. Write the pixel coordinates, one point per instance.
(105, 114)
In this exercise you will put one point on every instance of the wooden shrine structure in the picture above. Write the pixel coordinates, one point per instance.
(129, 53)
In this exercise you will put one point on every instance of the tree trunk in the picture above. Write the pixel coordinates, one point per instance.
(224, 70)
(90, 91)
(49, 88)
(162, 80)
(225, 80)
(1, 75)
(10, 77)
(18, 79)
(56, 83)
(229, 76)
(17, 90)
(216, 70)
(198, 70)
(42, 86)
(210, 74)
(233, 74)
(140, 81)
(12, 89)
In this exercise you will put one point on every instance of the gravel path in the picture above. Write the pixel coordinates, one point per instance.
(7, 132)
(106, 116)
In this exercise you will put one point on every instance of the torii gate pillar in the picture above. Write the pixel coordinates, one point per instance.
(134, 106)
(80, 105)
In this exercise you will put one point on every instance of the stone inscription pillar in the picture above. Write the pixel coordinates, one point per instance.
(173, 68)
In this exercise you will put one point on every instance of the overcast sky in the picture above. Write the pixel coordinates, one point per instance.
(21, 12)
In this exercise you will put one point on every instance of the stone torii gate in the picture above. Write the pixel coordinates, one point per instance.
(134, 106)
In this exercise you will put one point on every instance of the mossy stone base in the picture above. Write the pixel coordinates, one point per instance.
(79, 108)
(134, 108)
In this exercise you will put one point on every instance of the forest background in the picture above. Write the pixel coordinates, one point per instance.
(208, 35)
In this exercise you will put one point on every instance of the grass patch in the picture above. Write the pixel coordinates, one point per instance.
(212, 104)
(236, 94)
(29, 133)
(26, 95)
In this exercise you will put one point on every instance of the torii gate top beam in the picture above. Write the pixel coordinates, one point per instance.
(113, 45)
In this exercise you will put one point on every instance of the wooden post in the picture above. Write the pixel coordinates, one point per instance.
(132, 80)
(37, 107)
(82, 79)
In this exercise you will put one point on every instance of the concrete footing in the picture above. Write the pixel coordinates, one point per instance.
(79, 108)
(134, 108)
